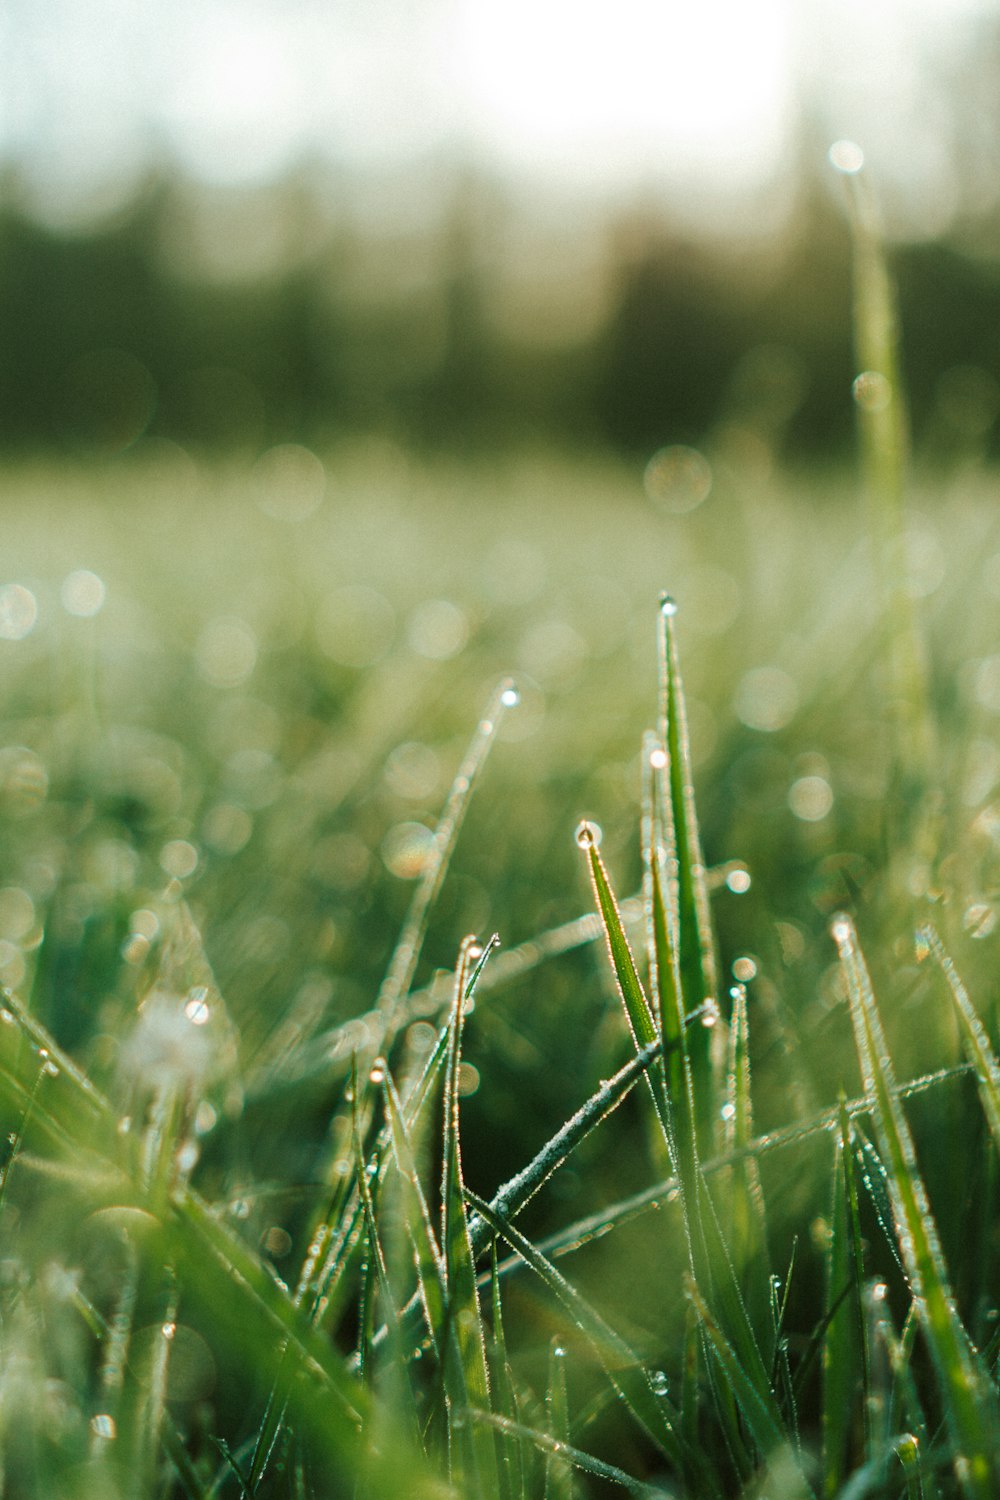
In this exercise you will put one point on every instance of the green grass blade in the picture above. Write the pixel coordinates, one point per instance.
(747, 1214)
(402, 966)
(565, 1453)
(760, 1416)
(638, 1010)
(653, 1412)
(969, 1400)
(975, 1040)
(558, 1474)
(842, 1345)
(697, 968)
(463, 1314)
(879, 396)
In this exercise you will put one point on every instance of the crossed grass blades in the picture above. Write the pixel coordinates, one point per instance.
(386, 1368)
(792, 1344)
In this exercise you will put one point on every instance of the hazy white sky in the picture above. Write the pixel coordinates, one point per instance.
(703, 92)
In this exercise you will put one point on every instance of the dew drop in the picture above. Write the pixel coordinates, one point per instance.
(728, 1111)
(6, 1017)
(168, 1330)
(745, 969)
(659, 759)
(709, 1013)
(660, 1383)
(588, 835)
(240, 1208)
(872, 391)
(840, 929)
(187, 1156)
(377, 1074)
(738, 880)
(979, 920)
(668, 605)
(846, 157)
(103, 1426)
(196, 1009)
(510, 695)
(558, 1352)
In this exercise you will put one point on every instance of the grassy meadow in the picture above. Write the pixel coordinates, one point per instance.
(688, 1188)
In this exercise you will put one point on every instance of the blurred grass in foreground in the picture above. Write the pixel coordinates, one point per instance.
(234, 701)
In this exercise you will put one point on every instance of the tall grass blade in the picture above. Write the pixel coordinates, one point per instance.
(402, 966)
(558, 1474)
(567, 1454)
(969, 1400)
(878, 393)
(462, 1313)
(843, 1344)
(697, 968)
(975, 1040)
(653, 1412)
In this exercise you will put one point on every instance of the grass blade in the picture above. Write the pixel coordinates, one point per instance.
(969, 1400)
(975, 1040)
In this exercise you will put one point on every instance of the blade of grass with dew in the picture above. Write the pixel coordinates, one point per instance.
(581, 1231)
(843, 1375)
(710, 1256)
(975, 1040)
(512, 1467)
(969, 1400)
(248, 1305)
(747, 1215)
(402, 966)
(558, 1476)
(762, 1419)
(585, 1462)
(696, 948)
(878, 394)
(463, 1313)
(653, 1413)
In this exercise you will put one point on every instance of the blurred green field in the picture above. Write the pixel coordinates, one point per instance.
(254, 683)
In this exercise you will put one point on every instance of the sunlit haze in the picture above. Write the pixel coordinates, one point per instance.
(704, 96)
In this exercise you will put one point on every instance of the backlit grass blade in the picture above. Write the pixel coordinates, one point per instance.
(699, 982)
(637, 1007)
(747, 1215)
(558, 1476)
(878, 394)
(975, 1040)
(760, 1416)
(969, 1400)
(654, 1412)
(512, 1468)
(431, 1283)
(463, 1314)
(567, 1454)
(843, 1342)
(402, 966)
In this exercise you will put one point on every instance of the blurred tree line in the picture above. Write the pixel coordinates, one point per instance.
(319, 306)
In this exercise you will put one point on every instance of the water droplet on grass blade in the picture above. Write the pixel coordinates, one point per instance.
(846, 157)
(103, 1426)
(588, 835)
(659, 1382)
(668, 605)
(197, 1008)
(377, 1074)
(510, 695)
(872, 391)
(738, 880)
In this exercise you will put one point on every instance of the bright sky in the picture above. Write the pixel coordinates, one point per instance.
(698, 93)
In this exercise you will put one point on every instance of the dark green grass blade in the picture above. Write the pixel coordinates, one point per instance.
(969, 1400)
(747, 1214)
